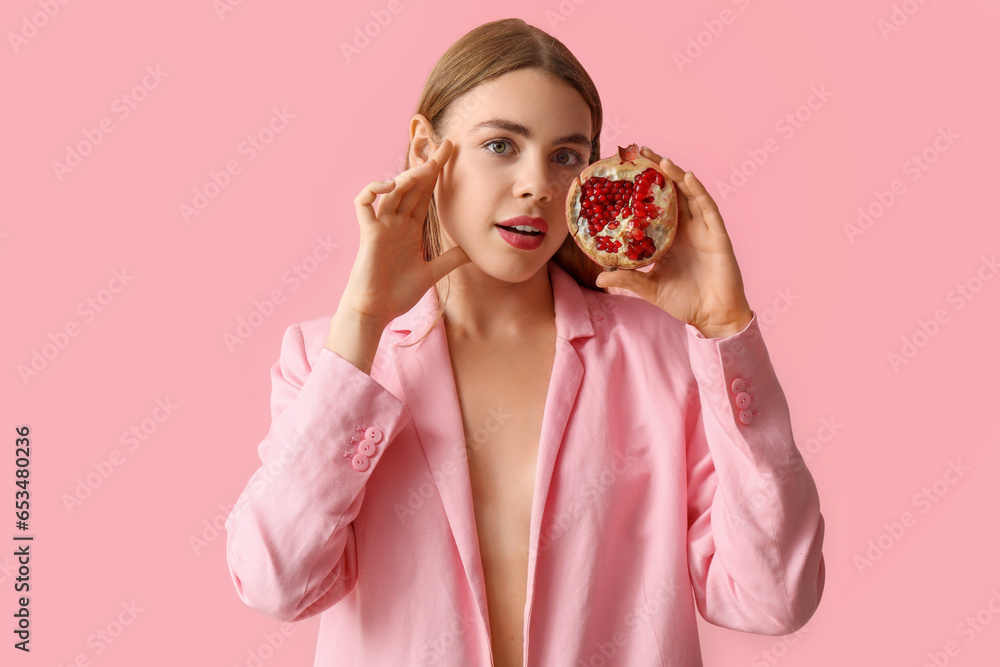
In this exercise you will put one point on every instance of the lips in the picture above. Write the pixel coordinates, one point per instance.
(522, 220)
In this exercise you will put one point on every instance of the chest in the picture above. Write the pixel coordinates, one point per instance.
(502, 391)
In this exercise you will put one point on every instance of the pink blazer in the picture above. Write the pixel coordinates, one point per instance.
(667, 478)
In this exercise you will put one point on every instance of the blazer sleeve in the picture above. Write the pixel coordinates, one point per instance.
(755, 531)
(290, 543)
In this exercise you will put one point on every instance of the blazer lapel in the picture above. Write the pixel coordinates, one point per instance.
(428, 384)
(572, 321)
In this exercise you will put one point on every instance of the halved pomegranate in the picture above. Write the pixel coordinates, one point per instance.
(622, 210)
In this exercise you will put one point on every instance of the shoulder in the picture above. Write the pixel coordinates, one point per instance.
(302, 342)
(627, 316)
(638, 346)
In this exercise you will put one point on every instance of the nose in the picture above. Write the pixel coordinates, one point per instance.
(534, 179)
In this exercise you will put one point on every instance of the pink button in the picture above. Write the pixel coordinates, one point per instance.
(746, 416)
(374, 433)
(743, 399)
(738, 386)
(367, 447)
(360, 462)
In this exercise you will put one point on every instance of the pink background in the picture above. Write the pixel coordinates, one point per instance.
(834, 305)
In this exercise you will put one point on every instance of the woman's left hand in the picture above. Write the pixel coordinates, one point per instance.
(697, 280)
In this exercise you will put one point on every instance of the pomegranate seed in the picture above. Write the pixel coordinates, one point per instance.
(604, 200)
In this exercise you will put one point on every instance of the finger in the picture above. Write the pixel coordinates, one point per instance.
(421, 191)
(419, 212)
(447, 262)
(687, 204)
(709, 209)
(363, 202)
(410, 197)
(404, 182)
(424, 188)
(675, 173)
(647, 152)
(634, 281)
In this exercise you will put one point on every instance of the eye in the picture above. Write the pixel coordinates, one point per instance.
(494, 142)
(574, 159)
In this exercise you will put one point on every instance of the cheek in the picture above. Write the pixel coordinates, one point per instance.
(560, 234)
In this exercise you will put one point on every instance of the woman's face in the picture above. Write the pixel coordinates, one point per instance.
(520, 139)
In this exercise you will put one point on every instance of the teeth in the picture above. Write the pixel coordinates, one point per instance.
(524, 228)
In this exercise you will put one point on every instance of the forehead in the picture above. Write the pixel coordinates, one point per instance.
(543, 104)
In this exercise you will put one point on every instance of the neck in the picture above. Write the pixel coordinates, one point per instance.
(481, 308)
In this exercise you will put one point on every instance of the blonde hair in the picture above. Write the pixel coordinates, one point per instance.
(484, 53)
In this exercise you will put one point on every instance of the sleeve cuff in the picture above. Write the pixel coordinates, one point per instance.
(738, 383)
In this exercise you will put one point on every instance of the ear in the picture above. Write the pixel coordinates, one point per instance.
(422, 143)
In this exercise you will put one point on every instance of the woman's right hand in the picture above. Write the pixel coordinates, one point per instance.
(389, 274)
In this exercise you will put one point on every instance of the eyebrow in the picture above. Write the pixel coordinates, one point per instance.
(577, 138)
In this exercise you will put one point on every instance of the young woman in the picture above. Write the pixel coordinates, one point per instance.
(485, 458)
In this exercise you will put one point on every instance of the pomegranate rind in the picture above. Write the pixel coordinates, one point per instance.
(662, 230)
